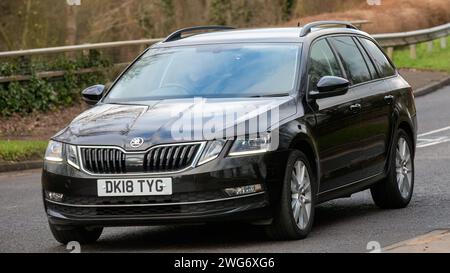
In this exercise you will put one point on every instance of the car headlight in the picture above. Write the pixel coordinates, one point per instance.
(212, 151)
(250, 145)
(72, 156)
(54, 152)
(57, 152)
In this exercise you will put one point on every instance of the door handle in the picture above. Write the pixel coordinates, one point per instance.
(355, 107)
(389, 99)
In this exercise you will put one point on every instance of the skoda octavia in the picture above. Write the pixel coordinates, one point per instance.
(217, 124)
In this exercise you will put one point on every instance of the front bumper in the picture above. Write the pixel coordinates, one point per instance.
(198, 195)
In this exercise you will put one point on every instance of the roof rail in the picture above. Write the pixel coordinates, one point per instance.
(308, 27)
(177, 34)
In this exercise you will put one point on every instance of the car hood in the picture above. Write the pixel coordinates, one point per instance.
(158, 122)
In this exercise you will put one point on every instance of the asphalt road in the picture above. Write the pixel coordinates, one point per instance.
(345, 225)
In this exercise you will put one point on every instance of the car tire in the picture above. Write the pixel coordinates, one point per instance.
(82, 235)
(298, 198)
(396, 190)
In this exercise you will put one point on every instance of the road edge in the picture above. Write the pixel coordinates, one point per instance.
(437, 241)
(432, 87)
(20, 166)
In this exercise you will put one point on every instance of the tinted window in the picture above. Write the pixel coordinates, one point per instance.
(322, 63)
(226, 70)
(380, 59)
(369, 62)
(352, 58)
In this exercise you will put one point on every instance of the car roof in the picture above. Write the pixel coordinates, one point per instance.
(266, 35)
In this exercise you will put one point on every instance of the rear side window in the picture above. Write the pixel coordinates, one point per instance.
(369, 62)
(383, 64)
(322, 63)
(352, 59)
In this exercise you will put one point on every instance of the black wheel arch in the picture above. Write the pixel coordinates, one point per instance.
(407, 124)
(298, 136)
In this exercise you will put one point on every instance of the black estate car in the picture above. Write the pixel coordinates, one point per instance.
(216, 124)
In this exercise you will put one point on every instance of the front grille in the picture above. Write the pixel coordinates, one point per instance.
(170, 158)
(108, 160)
(103, 160)
(181, 197)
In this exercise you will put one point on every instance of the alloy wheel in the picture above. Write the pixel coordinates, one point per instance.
(301, 194)
(404, 168)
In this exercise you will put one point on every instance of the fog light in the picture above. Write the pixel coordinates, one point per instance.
(53, 196)
(244, 190)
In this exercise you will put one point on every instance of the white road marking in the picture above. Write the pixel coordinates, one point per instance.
(436, 142)
(431, 141)
(435, 131)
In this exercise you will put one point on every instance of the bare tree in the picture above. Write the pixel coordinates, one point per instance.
(71, 24)
(26, 24)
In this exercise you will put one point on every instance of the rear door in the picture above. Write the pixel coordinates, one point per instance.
(337, 129)
(374, 116)
(378, 108)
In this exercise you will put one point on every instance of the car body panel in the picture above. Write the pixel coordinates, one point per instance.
(375, 127)
(337, 134)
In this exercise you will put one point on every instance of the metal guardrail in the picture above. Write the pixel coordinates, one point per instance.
(389, 41)
(412, 37)
(63, 49)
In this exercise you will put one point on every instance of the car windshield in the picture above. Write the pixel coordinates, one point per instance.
(237, 70)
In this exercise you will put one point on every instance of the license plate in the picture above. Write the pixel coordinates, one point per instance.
(134, 187)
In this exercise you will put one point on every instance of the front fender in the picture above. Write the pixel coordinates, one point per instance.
(298, 134)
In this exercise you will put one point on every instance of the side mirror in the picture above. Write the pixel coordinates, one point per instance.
(330, 86)
(93, 94)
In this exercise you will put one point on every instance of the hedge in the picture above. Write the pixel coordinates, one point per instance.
(25, 97)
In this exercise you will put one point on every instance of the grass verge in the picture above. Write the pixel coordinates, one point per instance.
(438, 59)
(22, 150)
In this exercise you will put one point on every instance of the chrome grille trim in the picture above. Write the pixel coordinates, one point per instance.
(117, 155)
(159, 204)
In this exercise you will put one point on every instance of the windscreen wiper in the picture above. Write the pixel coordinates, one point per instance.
(270, 95)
